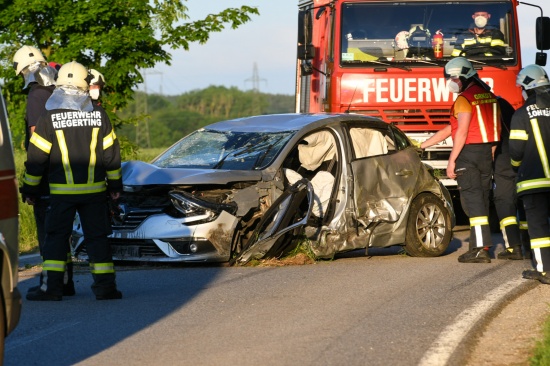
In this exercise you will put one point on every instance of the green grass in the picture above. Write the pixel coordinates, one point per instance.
(541, 353)
(27, 228)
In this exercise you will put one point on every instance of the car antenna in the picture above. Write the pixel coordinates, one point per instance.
(352, 96)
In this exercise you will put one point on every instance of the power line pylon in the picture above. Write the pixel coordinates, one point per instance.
(255, 79)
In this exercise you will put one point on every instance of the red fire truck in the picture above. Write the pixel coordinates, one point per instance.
(385, 58)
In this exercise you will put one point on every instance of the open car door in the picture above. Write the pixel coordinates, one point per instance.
(273, 235)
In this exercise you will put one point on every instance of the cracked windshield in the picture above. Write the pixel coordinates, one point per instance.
(229, 150)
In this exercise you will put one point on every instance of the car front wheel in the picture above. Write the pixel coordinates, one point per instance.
(429, 229)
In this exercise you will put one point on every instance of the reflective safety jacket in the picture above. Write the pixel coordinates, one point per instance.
(80, 149)
(485, 122)
(488, 43)
(530, 145)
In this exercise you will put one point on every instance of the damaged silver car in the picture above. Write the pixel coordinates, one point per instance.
(254, 187)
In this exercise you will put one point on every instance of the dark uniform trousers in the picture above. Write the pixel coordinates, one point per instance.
(537, 209)
(506, 201)
(474, 184)
(92, 209)
(40, 209)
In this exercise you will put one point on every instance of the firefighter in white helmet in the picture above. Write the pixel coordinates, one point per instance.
(39, 79)
(475, 130)
(529, 150)
(77, 143)
(97, 83)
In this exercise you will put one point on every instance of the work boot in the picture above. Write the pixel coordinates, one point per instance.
(68, 289)
(530, 274)
(477, 255)
(42, 296)
(513, 253)
(112, 295)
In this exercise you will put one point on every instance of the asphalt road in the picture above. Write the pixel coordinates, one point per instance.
(381, 309)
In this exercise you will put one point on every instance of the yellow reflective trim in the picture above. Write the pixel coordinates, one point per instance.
(468, 42)
(523, 225)
(497, 42)
(64, 156)
(481, 124)
(114, 174)
(515, 163)
(31, 180)
(507, 221)
(41, 143)
(518, 135)
(456, 52)
(55, 266)
(102, 268)
(480, 220)
(93, 157)
(533, 184)
(540, 146)
(56, 188)
(109, 140)
(540, 243)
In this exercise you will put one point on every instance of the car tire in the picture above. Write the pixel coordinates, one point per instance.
(429, 228)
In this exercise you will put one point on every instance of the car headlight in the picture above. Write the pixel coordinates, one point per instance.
(187, 206)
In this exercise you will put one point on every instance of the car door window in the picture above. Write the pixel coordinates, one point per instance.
(368, 142)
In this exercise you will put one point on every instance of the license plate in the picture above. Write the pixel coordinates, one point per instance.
(125, 251)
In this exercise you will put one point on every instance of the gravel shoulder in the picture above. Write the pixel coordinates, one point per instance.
(510, 337)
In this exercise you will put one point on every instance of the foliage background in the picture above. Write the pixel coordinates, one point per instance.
(119, 38)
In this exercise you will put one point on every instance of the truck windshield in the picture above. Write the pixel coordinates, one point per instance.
(421, 33)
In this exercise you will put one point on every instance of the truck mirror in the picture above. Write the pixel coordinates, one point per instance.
(543, 33)
(540, 59)
(306, 51)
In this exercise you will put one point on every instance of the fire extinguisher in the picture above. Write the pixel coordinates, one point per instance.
(437, 44)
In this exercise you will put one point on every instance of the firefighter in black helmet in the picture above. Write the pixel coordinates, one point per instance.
(529, 150)
(78, 144)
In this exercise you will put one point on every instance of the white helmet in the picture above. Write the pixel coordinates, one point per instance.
(25, 56)
(73, 74)
(459, 67)
(532, 76)
(97, 78)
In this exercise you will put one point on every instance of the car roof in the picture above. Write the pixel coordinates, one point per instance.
(288, 122)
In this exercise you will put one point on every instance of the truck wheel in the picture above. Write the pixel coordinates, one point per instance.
(429, 229)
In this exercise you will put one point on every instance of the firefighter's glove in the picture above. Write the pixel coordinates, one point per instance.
(416, 143)
(28, 195)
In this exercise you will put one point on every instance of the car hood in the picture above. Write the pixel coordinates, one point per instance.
(138, 173)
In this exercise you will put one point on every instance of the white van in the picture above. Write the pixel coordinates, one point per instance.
(10, 302)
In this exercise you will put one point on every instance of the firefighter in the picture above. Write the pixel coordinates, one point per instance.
(97, 83)
(39, 78)
(505, 198)
(481, 39)
(78, 144)
(529, 147)
(475, 128)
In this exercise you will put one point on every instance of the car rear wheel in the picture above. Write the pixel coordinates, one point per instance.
(428, 228)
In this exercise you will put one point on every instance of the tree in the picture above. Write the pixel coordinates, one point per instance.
(116, 37)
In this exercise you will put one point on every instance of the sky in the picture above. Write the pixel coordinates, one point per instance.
(267, 43)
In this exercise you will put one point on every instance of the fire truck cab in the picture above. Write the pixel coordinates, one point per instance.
(386, 59)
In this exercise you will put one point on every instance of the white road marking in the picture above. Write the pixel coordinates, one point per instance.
(450, 338)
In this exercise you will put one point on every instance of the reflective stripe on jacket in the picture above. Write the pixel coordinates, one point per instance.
(80, 149)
